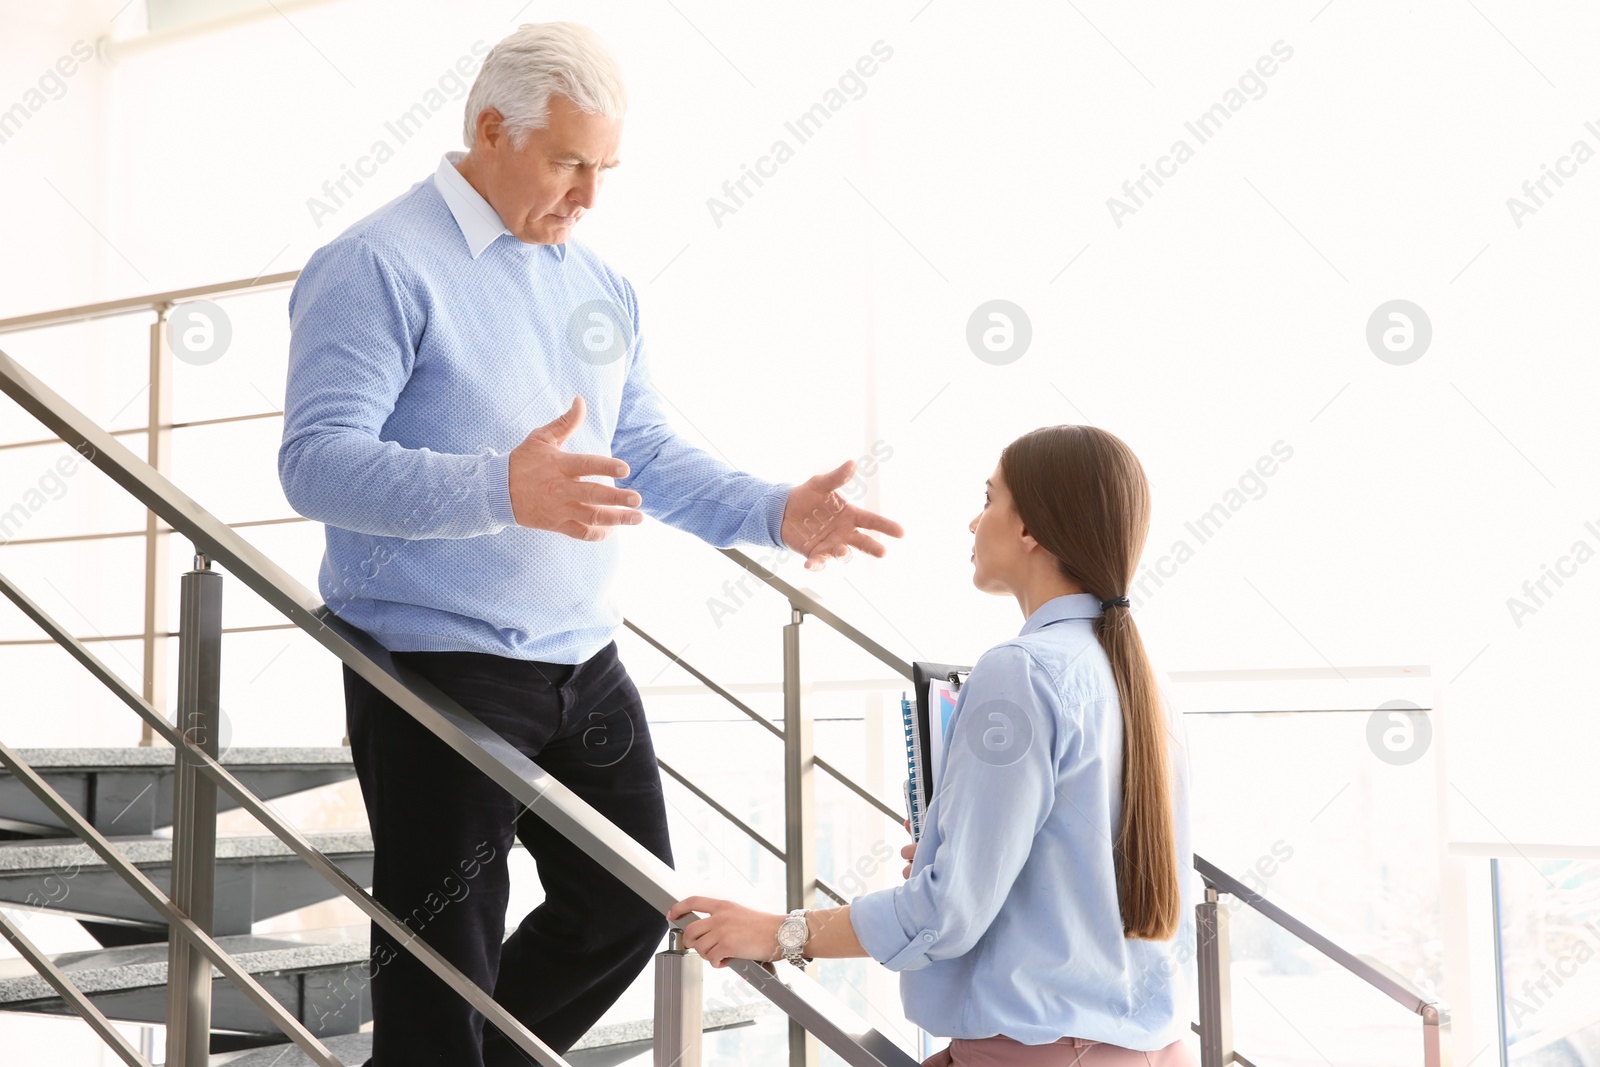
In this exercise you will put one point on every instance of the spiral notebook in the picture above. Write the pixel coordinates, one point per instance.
(936, 688)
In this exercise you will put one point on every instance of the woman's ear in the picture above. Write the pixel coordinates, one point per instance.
(1028, 543)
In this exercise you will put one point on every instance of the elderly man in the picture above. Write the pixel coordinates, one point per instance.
(428, 340)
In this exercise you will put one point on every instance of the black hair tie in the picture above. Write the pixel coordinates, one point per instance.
(1119, 602)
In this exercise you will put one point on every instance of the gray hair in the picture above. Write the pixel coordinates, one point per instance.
(521, 72)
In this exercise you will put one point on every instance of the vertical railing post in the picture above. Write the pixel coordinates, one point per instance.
(799, 808)
(1216, 986)
(158, 453)
(1435, 1030)
(678, 1021)
(194, 814)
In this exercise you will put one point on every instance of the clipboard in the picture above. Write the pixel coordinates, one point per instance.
(921, 745)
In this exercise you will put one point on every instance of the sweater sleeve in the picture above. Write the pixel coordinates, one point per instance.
(354, 331)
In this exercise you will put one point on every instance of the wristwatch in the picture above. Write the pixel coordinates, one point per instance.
(792, 937)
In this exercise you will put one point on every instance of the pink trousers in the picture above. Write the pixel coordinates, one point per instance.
(1002, 1051)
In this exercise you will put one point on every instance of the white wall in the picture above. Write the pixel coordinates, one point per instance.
(1225, 315)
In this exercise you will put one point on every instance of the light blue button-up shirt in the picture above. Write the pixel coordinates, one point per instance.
(428, 342)
(1009, 923)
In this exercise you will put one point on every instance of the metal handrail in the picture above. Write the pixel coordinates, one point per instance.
(71, 994)
(12, 641)
(803, 601)
(704, 679)
(132, 431)
(797, 995)
(1394, 987)
(132, 305)
(112, 535)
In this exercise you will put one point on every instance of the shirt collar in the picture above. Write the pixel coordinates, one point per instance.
(480, 224)
(1071, 606)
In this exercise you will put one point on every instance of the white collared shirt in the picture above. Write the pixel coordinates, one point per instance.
(480, 223)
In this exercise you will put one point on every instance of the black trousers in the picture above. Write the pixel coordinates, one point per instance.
(441, 833)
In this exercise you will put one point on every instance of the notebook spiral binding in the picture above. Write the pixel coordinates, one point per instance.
(913, 761)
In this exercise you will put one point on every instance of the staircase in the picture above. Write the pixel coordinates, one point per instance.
(127, 794)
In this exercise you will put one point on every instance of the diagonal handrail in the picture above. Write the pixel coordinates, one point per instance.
(70, 993)
(1392, 986)
(640, 870)
(812, 606)
(706, 680)
(703, 678)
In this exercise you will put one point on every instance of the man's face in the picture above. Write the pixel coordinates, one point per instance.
(542, 188)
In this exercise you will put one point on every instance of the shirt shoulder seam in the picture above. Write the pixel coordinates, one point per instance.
(1023, 647)
(1063, 701)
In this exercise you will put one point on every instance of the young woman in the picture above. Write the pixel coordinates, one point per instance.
(1049, 902)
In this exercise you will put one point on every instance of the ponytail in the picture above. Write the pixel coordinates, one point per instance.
(1082, 494)
(1145, 851)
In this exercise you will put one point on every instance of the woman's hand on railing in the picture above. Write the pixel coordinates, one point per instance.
(729, 931)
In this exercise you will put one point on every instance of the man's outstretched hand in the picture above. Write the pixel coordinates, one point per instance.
(548, 491)
(820, 524)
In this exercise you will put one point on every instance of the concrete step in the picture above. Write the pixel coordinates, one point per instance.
(258, 877)
(606, 1045)
(129, 790)
(318, 974)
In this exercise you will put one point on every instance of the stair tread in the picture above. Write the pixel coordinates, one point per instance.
(29, 854)
(350, 1048)
(621, 1033)
(354, 1048)
(115, 970)
(140, 966)
(162, 755)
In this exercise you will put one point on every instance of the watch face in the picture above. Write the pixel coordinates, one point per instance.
(790, 935)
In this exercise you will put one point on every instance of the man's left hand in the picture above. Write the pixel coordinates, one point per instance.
(820, 524)
(729, 931)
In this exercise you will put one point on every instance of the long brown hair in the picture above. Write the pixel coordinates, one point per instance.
(1082, 494)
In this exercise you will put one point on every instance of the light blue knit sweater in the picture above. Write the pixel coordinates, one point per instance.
(414, 369)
